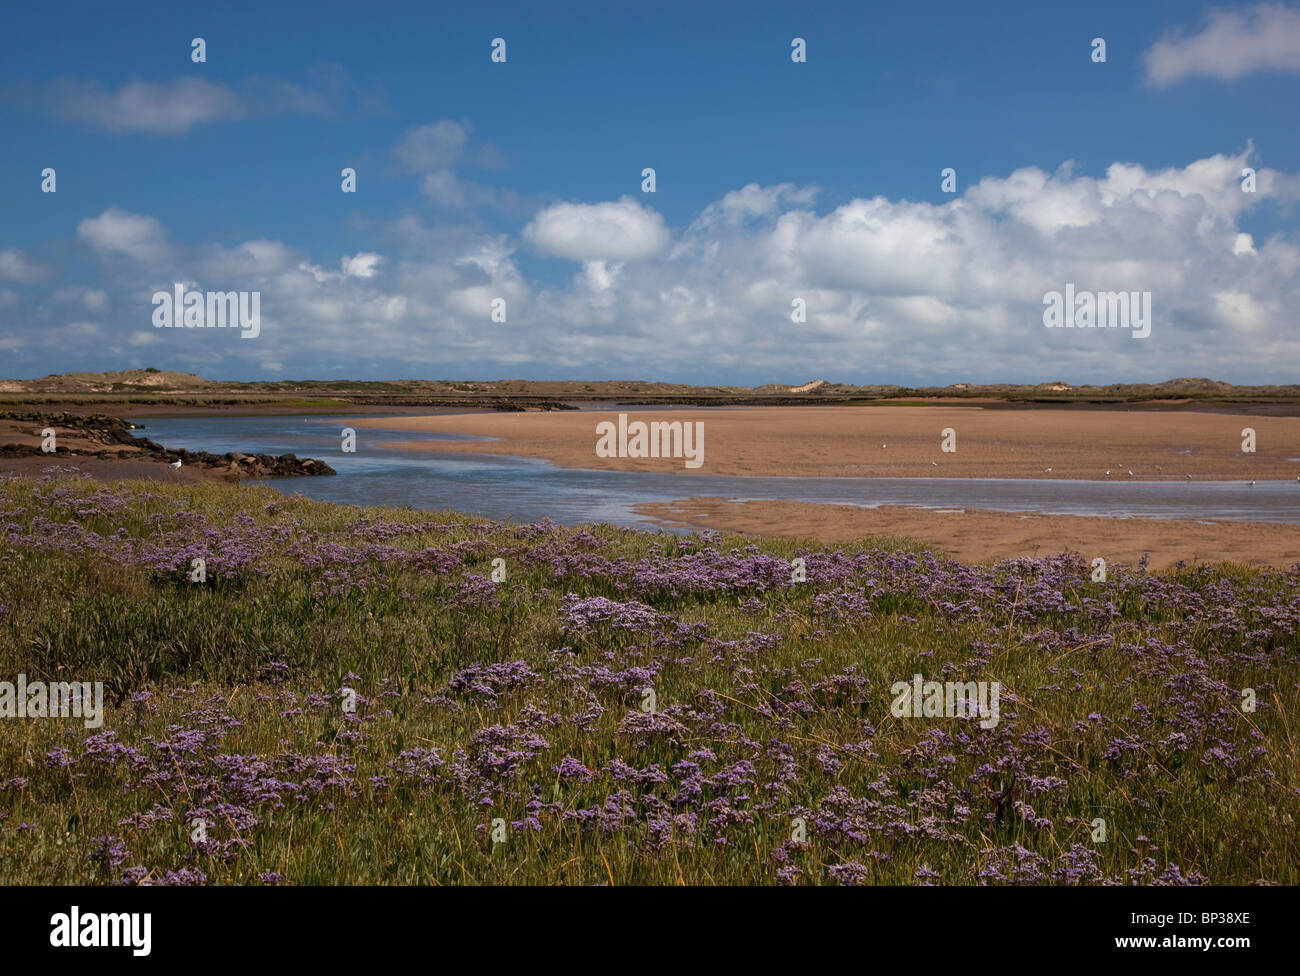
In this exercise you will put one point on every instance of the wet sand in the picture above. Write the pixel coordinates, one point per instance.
(981, 536)
(904, 441)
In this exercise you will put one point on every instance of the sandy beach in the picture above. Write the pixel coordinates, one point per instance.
(898, 441)
(979, 536)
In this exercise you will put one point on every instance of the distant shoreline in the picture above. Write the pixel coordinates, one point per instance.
(139, 392)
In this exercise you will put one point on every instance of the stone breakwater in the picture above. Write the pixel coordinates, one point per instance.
(101, 436)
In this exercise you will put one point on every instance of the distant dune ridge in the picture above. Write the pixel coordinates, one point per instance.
(160, 382)
(145, 379)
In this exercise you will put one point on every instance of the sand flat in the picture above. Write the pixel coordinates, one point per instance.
(979, 536)
(847, 442)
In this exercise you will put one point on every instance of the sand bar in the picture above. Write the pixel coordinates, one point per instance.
(847, 442)
(980, 536)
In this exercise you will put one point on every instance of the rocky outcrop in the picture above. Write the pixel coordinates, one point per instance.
(97, 427)
(252, 465)
(118, 442)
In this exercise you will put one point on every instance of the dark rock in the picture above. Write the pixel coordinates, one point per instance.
(112, 431)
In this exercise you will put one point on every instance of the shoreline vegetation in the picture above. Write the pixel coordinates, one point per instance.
(363, 695)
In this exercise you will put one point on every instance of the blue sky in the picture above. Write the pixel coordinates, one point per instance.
(776, 181)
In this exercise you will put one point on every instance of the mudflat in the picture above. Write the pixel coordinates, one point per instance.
(126, 467)
(981, 536)
(899, 441)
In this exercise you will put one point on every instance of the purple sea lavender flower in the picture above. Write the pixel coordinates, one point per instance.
(109, 851)
(570, 768)
(850, 873)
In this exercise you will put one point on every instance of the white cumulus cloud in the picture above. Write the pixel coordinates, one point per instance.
(362, 265)
(118, 233)
(895, 290)
(22, 268)
(1231, 45)
(623, 230)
